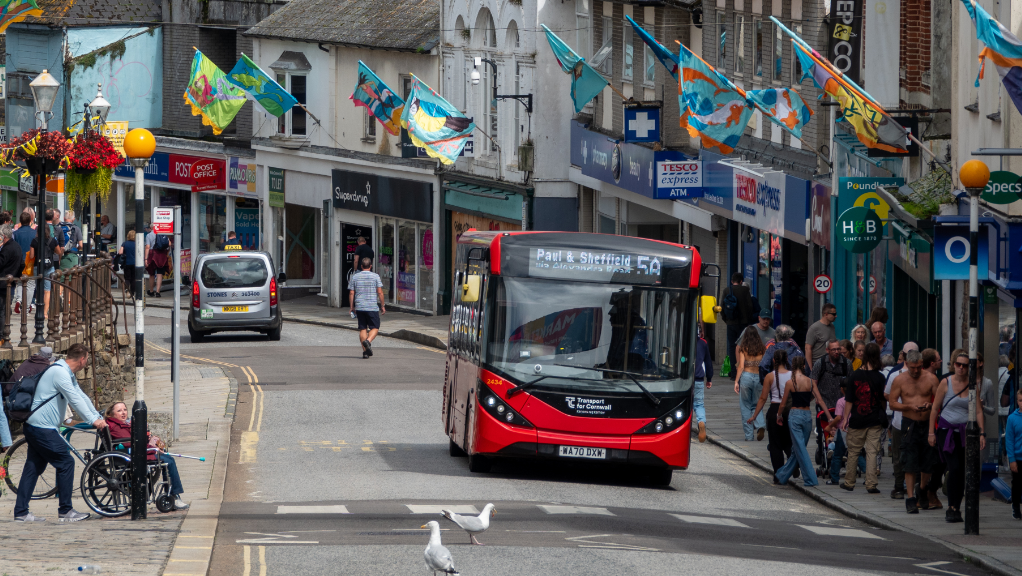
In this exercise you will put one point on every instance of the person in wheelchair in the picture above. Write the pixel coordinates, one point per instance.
(120, 430)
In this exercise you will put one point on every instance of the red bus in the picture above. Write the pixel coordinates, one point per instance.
(572, 346)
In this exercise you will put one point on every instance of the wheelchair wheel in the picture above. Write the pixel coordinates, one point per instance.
(106, 484)
(14, 462)
(164, 503)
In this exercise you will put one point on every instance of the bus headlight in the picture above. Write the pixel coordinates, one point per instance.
(495, 406)
(668, 422)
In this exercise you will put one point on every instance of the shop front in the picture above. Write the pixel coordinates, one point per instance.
(395, 216)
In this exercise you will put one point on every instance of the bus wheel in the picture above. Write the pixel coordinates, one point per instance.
(456, 450)
(661, 476)
(478, 464)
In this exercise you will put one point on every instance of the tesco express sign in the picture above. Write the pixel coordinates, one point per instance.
(679, 179)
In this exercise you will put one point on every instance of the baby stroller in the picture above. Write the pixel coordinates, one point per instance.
(823, 440)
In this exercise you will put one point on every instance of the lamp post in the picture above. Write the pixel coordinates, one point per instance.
(44, 91)
(139, 146)
(974, 176)
(100, 107)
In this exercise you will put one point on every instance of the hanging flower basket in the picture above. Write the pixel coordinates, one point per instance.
(53, 147)
(92, 161)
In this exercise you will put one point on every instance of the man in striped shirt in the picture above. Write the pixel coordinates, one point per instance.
(366, 297)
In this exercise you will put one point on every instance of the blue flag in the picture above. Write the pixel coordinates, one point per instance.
(434, 124)
(783, 106)
(248, 76)
(586, 82)
(665, 56)
(712, 108)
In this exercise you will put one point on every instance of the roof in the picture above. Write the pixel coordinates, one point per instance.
(96, 12)
(407, 25)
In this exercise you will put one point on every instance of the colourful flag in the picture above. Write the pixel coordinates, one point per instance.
(1002, 47)
(434, 124)
(783, 106)
(712, 108)
(873, 128)
(212, 95)
(248, 76)
(12, 11)
(586, 82)
(665, 56)
(379, 99)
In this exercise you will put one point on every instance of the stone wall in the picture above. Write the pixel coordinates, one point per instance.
(115, 372)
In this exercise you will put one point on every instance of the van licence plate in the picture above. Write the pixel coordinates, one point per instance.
(583, 452)
(235, 308)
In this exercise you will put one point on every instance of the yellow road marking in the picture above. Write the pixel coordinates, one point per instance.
(432, 350)
(247, 556)
(262, 561)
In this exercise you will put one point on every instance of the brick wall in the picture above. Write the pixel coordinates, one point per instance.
(221, 46)
(914, 56)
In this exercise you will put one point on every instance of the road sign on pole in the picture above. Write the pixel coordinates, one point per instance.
(823, 284)
(175, 359)
(163, 220)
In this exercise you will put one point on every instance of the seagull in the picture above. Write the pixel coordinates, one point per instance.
(438, 558)
(472, 524)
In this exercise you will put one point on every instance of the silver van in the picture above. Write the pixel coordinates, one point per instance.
(234, 290)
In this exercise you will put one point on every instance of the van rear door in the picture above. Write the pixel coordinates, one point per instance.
(236, 286)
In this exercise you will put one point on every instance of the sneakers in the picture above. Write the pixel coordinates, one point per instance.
(760, 433)
(702, 431)
(910, 505)
(31, 308)
(73, 516)
(952, 516)
(833, 483)
(1016, 514)
(365, 353)
(368, 347)
(17, 307)
(897, 494)
(157, 294)
(872, 490)
(29, 518)
(922, 501)
(847, 487)
(180, 504)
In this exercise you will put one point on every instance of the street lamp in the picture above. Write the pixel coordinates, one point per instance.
(974, 176)
(99, 107)
(139, 146)
(44, 91)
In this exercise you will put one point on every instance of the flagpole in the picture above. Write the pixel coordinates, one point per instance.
(855, 88)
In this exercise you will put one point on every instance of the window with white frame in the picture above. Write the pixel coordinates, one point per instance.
(759, 48)
(739, 44)
(649, 60)
(721, 41)
(582, 43)
(778, 54)
(293, 123)
(607, 43)
(369, 126)
(796, 64)
(626, 39)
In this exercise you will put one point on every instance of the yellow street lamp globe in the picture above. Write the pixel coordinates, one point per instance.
(974, 174)
(139, 143)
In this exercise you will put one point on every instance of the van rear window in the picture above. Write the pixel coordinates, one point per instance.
(234, 273)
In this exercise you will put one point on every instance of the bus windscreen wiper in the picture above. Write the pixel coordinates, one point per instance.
(631, 375)
(522, 387)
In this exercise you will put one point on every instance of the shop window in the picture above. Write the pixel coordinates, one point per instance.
(406, 263)
(426, 289)
(300, 242)
(246, 222)
(385, 257)
(212, 222)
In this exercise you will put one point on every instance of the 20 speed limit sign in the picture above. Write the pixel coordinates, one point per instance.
(822, 284)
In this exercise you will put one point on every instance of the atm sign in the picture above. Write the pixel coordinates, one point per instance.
(679, 179)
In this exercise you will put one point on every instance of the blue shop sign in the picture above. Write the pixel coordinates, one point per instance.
(157, 170)
(606, 159)
(951, 249)
(642, 124)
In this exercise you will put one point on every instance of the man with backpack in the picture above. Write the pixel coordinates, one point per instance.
(157, 258)
(738, 310)
(72, 241)
(52, 390)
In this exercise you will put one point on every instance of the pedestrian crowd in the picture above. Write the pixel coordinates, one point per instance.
(866, 399)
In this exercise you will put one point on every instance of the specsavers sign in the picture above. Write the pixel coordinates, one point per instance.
(1003, 188)
(759, 200)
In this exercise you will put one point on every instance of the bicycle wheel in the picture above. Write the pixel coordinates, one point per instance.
(14, 461)
(106, 484)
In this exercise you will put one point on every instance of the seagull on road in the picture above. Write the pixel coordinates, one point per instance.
(472, 524)
(438, 558)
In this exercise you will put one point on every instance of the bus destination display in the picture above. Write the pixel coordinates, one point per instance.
(598, 266)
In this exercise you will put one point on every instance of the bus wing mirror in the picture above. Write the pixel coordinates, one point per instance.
(708, 304)
(470, 289)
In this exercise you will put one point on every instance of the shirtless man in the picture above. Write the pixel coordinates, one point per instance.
(911, 394)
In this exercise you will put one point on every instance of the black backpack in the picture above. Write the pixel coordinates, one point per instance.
(162, 243)
(729, 306)
(18, 404)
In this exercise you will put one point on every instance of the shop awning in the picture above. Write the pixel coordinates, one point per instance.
(483, 199)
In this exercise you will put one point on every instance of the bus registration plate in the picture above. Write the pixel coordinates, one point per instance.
(583, 452)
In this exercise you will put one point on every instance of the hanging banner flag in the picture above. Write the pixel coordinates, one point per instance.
(434, 124)
(783, 106)
(378, 99)
(844, 49)
(665, 56)
(586, 82)
(16, 11)
(211, 94)
(712, 108)
(248, 76)
(1001, 47)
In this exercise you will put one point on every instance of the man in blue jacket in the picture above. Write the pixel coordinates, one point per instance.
(57, 387)
(703, 375)
(1013, 446)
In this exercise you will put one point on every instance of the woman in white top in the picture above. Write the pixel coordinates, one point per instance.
(778, 435)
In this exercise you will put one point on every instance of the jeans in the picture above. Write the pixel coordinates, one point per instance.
(857, 439)
(698, 406)
(778, 438)
(1016, 490)
(29, 289)
(46, 278)
(839, 452)
(45, 446)
(749, 389)
(800, 423)
(175, 478)
(899, 473)
(733, 332)
(955, 462)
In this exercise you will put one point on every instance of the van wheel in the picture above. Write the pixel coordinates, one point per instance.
(196, 336)
(274, 335)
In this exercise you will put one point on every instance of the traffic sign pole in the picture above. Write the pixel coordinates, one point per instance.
(175, 355)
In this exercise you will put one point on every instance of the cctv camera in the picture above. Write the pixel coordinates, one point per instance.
(475, 77)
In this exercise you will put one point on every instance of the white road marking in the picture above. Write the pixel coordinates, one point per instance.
(436, 508)
(575, 510)
(586, 542)
(932, 566)
(846, 532)
(337, 509)
(765, 546)
(707, 520)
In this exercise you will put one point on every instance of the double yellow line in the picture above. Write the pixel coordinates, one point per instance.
(247, 557)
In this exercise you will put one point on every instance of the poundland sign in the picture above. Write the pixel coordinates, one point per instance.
(859, 230)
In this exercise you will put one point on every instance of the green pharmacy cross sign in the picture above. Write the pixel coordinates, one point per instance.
(859, 229)
(1003, 188)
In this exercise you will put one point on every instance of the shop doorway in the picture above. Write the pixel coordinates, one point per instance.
(300, 262)
(349, 242)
